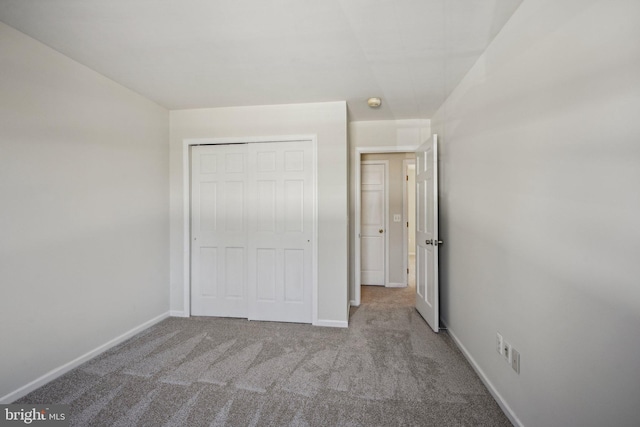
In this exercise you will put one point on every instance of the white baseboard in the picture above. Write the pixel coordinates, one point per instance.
(503, 404)
(61, 370)
(177, 313)
(396, 285)
(352, 303)
(332, 323)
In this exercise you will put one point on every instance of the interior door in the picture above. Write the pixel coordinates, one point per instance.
(218, 231)
(427, 232)
(372, 223)
(281, 179)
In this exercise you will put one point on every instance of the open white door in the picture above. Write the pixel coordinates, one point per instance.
(427, 232)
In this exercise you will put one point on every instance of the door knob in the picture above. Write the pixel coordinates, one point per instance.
(380, 231)
(429, 242)
(437, 242)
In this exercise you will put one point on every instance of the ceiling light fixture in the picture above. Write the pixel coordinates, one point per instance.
(374, 102)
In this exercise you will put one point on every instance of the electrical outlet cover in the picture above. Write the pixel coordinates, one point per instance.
(499, 341)
(515, 360)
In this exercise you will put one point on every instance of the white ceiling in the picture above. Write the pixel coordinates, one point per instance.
(221, 53)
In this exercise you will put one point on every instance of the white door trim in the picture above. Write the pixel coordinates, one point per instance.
(385, 163)
(359, 152)
(405, 218)
(186, 209)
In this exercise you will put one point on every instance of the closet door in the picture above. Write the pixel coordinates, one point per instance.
(219, 231)
(280, 231)
(373, 244)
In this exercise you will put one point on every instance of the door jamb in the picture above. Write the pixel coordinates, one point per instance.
(186, 209)
(359, 152)
(405, 217)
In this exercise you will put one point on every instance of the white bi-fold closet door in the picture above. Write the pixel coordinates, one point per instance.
(251, 230)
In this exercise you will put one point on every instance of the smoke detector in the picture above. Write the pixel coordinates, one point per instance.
(374, 102)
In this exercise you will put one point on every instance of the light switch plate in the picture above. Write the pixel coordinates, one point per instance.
(397, 218)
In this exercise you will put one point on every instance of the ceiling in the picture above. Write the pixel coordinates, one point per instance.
(222, 53)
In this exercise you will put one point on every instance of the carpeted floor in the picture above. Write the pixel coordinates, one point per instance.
(387, 369)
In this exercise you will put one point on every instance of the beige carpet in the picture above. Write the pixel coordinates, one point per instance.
(387, 369)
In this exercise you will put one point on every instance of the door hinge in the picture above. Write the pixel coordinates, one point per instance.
(407, 224)
(407, 271)
(407, 177)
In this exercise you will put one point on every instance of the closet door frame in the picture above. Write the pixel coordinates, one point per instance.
(186, 181)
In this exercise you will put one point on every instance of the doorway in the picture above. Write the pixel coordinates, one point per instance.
(395, 258)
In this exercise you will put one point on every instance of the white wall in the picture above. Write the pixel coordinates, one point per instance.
(540, 211)
(83, 210)
(376, 135)
(326, 120)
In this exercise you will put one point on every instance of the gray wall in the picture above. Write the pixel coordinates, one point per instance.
(540, 212)
(411, 209)
(84, 210)
(396, 229)
(326, 120)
